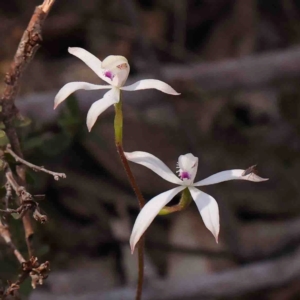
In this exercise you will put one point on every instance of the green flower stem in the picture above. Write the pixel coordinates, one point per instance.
(118, 125)
(184, 202)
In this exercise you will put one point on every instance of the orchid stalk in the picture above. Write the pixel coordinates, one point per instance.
(114, 70)
(187, 170)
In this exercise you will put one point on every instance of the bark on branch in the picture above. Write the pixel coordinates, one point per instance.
(244, 73)
(27, 48)
(237, 282)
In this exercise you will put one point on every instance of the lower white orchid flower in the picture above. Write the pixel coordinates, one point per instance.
(114, 69)
(187, 169)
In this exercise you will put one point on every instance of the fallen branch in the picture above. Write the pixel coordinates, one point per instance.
(244, 73)
(237, 282)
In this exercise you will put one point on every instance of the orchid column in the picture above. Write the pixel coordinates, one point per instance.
(114, 70)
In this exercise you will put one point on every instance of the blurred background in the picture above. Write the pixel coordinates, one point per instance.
(237, 65)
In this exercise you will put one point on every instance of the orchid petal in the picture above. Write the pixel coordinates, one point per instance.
(110, 98)
(229, 175)
(90, 60)
(149, 212)
(151, 84)
(71, 87)
(209, 210)
(153, 163)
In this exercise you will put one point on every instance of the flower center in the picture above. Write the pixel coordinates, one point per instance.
(109, 75)
(184, 175)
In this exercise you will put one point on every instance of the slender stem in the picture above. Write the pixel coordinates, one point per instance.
(130, 176)
(118, 124)
(119, 144)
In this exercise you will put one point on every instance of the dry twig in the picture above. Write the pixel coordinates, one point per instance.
(26, 200)
(27, 48)
(5, 234)
(32, 166)
(32, 268)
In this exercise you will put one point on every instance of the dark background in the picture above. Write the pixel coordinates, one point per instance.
(237, 65)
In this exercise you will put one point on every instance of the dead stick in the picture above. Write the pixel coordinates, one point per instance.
(5, 234)
(32, 166)
(27, 48)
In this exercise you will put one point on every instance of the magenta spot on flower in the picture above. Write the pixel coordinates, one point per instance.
(109, 75)
(185, 175)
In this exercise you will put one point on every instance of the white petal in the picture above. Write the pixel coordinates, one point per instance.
(90, 60)
(151, 84)
(71, 87)
(209, 210)
(153, 163)
(229, 175)
(149, 212)
(100, 106)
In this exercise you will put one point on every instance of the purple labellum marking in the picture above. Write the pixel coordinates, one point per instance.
(109, 75)
(185, 175)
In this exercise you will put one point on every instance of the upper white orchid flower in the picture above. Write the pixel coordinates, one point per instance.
(187, 169)
(114, 69)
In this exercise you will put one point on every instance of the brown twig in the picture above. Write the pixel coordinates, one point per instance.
(33, 269)
(32, 166)
(5, 234)
(46, 6)
(8, 195)
(27, 48)
(21, 192)
(12, 182)
(26, 201)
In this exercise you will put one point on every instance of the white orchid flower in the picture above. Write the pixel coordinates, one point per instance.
(187, 169)
(114, 69)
